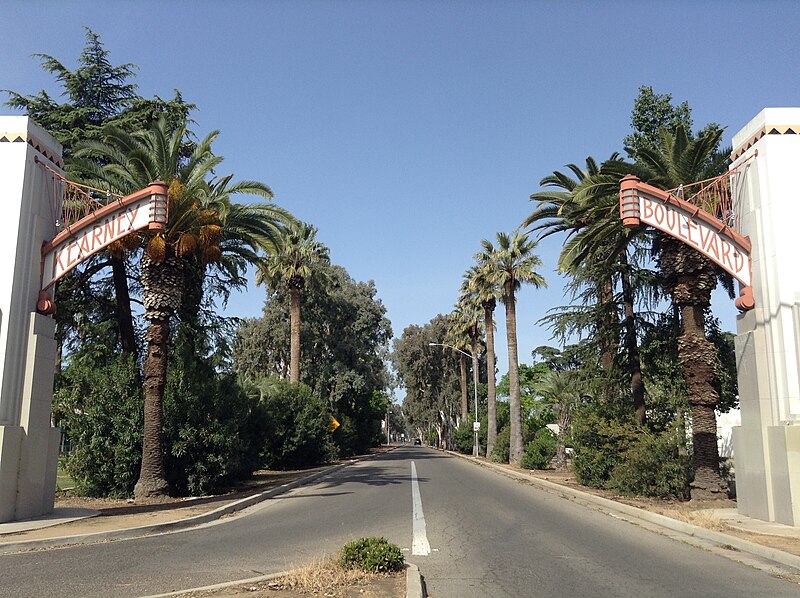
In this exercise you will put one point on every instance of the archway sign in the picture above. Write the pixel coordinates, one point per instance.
(104, 222)
(710, 233)
(754, 237)
(49, 226)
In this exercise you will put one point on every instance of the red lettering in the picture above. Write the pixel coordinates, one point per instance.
(726, 258)
(57, 263)
(738, 260)
(671, 220)
(711, 246)
(121, 221)
(647, 209)
(108, 230)
(681, 227)
(97, 230)
(692, 225)
(704, 234)
(84, 246)
(659, 213)
(70, 261)
(132, 218)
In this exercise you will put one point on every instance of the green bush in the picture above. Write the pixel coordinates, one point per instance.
(598, 446)
(211, 429)
(345, 437)
(464, 437)
(652, 466)
(539, 451)
(432, 438)
(375, 555)
(500, 454)
(98, 403)
(296, 426)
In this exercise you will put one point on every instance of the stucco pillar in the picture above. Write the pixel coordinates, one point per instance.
(765, 195)
(30, 204)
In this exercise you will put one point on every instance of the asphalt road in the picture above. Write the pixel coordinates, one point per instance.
(471, 531)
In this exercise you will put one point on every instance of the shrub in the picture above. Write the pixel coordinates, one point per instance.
(296, 426)
(432, 438)
(376, 555)
(598, 446)
(500, 454)
(539, 451)
(99, 406)
(211, 429)
(464, 437)
(652, 466)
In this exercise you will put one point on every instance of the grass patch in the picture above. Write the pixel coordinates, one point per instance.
(322, 577)
(698, 518)
(63, 479)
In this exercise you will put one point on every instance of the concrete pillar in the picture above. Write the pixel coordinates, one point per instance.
(767, 444)
(30, 205)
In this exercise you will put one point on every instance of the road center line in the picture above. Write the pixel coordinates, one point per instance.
(419, 544)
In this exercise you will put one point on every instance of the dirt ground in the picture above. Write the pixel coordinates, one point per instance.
(374, 586)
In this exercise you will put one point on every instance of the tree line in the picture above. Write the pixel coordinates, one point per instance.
(642, 359)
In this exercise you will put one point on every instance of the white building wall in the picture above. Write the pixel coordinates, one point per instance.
(28, 444)
(767, 444)
(26, 196)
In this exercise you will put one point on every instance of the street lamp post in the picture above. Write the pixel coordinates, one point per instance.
(388, 412)
(477, 424)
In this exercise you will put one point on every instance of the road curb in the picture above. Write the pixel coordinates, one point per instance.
(413, 582)
(221, 586)
(170, 526)
(616, 508)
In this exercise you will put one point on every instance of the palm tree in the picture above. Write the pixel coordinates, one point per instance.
(292, 265)
(458, 337)
(471, 310)
(689, 277)
(478, 284)
(560, 389)
(247, 231)
(596, 254)
(558, 211)
(194, 233)
(513, 263)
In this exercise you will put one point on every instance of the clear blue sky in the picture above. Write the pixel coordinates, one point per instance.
(408, 131)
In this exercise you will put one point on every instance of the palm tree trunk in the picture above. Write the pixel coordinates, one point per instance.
(123, 306)
(162, 283)
(515, 442)
(294, 350)
(564, 424)
(462, 362)
(152, 481)
(698, 358)
(690, 278)
(632, 348)
(491, 394)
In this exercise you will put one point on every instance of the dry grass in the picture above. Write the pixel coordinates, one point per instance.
(698, 518)
(322, 577)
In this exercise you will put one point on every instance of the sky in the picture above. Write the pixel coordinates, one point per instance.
(407, 131)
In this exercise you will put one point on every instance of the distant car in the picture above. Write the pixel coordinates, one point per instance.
(417, 441)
